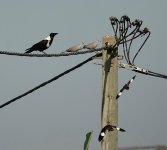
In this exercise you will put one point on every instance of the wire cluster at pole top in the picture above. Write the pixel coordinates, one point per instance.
(126, 31)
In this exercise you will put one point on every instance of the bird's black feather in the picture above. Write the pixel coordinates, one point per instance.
(109, 128)
(42, 45)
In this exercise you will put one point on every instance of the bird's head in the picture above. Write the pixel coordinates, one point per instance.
(53, 34)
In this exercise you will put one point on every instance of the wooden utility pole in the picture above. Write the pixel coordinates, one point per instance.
(109, 90)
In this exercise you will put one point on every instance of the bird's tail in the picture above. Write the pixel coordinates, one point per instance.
(29, 50)
(120, 129)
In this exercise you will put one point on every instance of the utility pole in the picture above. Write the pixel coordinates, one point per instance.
(109, 112)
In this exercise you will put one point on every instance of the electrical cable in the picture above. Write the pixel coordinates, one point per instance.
(141, 45)
(49, 81)
(141, 70)
(50, 55)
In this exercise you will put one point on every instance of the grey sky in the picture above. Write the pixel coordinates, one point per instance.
(59, 115)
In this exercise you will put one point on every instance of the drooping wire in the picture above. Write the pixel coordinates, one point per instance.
(50, 55)
(137, 24)
(129, 48)
(125, 38)
(122, 36)
(125, 41)
(124, 25)
(123, 28)
(114, 22)
(145, 31)
(129, 34)
(49, 81)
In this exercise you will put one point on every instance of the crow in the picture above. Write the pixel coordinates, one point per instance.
(42, 45)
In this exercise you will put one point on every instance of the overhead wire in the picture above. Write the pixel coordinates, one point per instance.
(49, 81)
(145, 31)
(120, 28)
(51, 55)
(141, 70)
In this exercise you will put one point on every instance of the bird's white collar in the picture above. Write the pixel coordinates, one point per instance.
(48, 38)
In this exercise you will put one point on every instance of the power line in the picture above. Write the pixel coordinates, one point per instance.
(50, 55)
(49, 81)
(141, 70)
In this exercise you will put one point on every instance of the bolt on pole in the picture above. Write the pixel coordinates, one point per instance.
(109, 112)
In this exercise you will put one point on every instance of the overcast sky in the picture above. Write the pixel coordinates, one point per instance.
(59, 115)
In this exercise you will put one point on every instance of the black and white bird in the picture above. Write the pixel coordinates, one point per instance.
(108, 127)
(125, 87)
(42, 45)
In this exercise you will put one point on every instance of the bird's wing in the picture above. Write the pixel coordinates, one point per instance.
(40, 45)
(103, 131)
(74, 48)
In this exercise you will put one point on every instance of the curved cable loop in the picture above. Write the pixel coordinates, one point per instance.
(145, 31)
(114, 22)
(140, 34)
(123, 29)
(126, 45)
(125, 37)
(137, 24)
(121, 38)
(134, 33)
(128, 50)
